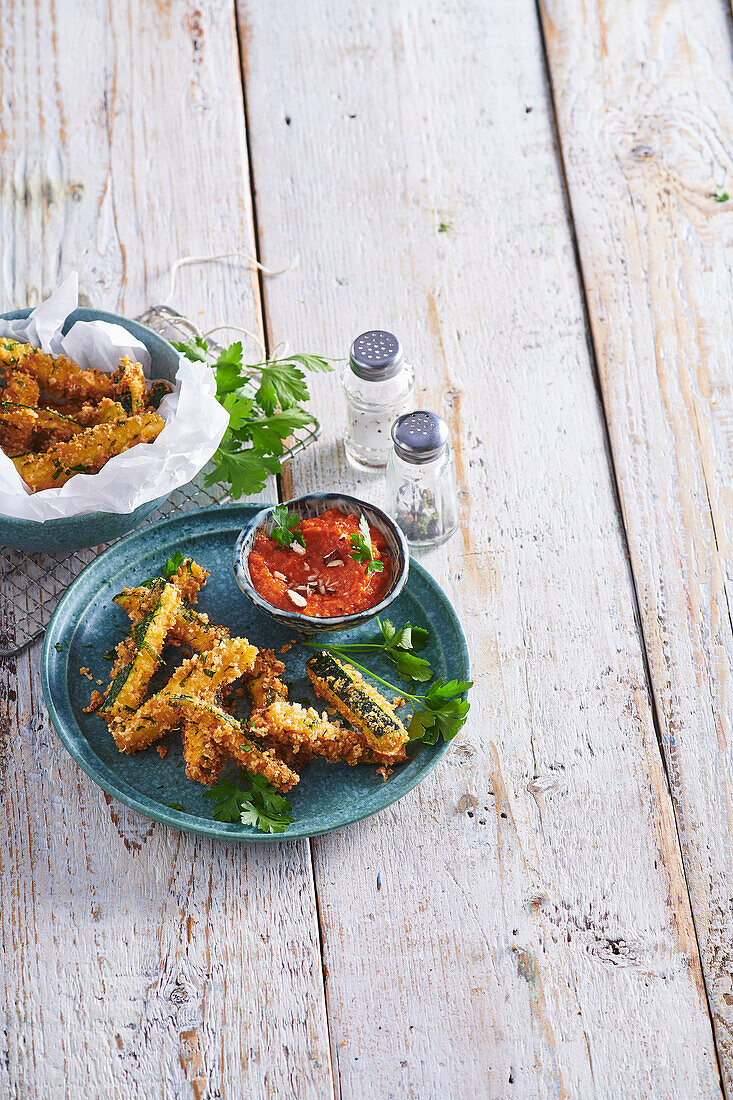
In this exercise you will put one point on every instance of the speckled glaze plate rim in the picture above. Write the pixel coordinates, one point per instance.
(54, 679)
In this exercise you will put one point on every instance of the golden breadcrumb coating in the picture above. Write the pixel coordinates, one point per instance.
(21, 388)
(17, 425)
(139, 655)
(202, 756)
(103, 412)
(264, 682)
(292, 724)
(12, 352)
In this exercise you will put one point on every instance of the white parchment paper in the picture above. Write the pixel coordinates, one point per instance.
(194, 420)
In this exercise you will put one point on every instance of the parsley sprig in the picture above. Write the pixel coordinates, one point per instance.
(286, 529)
(258, 805)
(442, 710)
(264, 405)
(720, 194)
(362, 548)
(172, 565)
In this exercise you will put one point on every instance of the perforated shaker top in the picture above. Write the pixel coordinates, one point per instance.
(376, 355)
(420, 436)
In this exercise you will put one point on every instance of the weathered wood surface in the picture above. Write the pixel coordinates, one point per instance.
(137, 961)
(645, 107)
(519, 925)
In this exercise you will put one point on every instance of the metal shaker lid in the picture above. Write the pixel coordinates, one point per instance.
(376, 355)
(420, 436)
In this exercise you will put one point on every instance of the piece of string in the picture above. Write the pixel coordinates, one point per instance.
(250, 260)
(262, 351)
(282, 347)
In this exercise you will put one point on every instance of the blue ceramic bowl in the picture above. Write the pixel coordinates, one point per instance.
(308, 506)
(92, 528)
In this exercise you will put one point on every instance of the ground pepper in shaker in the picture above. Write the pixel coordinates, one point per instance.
(421, 479)
(378, 383)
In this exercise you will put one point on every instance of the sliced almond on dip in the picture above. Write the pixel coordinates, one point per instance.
(334, 564)
(297, 548)
(297, 599)
(280, 576)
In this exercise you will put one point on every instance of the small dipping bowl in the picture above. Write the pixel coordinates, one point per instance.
(307, 507)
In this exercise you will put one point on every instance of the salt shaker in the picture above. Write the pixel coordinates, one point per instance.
(421, 479)
(378, 383)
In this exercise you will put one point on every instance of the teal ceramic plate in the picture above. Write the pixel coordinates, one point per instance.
(86, 625)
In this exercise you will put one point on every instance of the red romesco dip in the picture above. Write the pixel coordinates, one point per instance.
(287, 577)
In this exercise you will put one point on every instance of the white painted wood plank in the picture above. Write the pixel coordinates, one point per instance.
(519, 925)
(138, 961)
(645, 103)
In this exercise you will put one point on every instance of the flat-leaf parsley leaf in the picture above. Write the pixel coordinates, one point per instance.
(362, 548)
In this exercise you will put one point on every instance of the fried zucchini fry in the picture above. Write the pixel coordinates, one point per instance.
(87, 452)
(346, 690)
(54, 427)
(129, 386)
(139, 655)
(61, 377)
(190, 579)
(235, 742)
(201, 677)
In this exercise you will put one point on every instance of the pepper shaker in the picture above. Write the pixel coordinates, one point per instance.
(421, 479)
(378, 383)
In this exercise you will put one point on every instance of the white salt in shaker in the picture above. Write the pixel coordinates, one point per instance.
(421, 479)
(378, 383)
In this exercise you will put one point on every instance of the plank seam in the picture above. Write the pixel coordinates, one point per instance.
(332, 1060)
(619, 505)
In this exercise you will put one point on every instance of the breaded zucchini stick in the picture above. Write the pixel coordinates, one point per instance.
(200, 677)
(129, 386)
(139, 655)
(346, 690)
(236, 742)
(87, 452)
(61, 377)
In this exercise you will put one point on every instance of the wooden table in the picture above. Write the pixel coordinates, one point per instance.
(528, 200)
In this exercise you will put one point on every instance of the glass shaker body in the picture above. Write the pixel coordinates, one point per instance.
(378, 383)
(423, 498)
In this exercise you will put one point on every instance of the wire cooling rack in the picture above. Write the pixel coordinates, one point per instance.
(31, 585)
